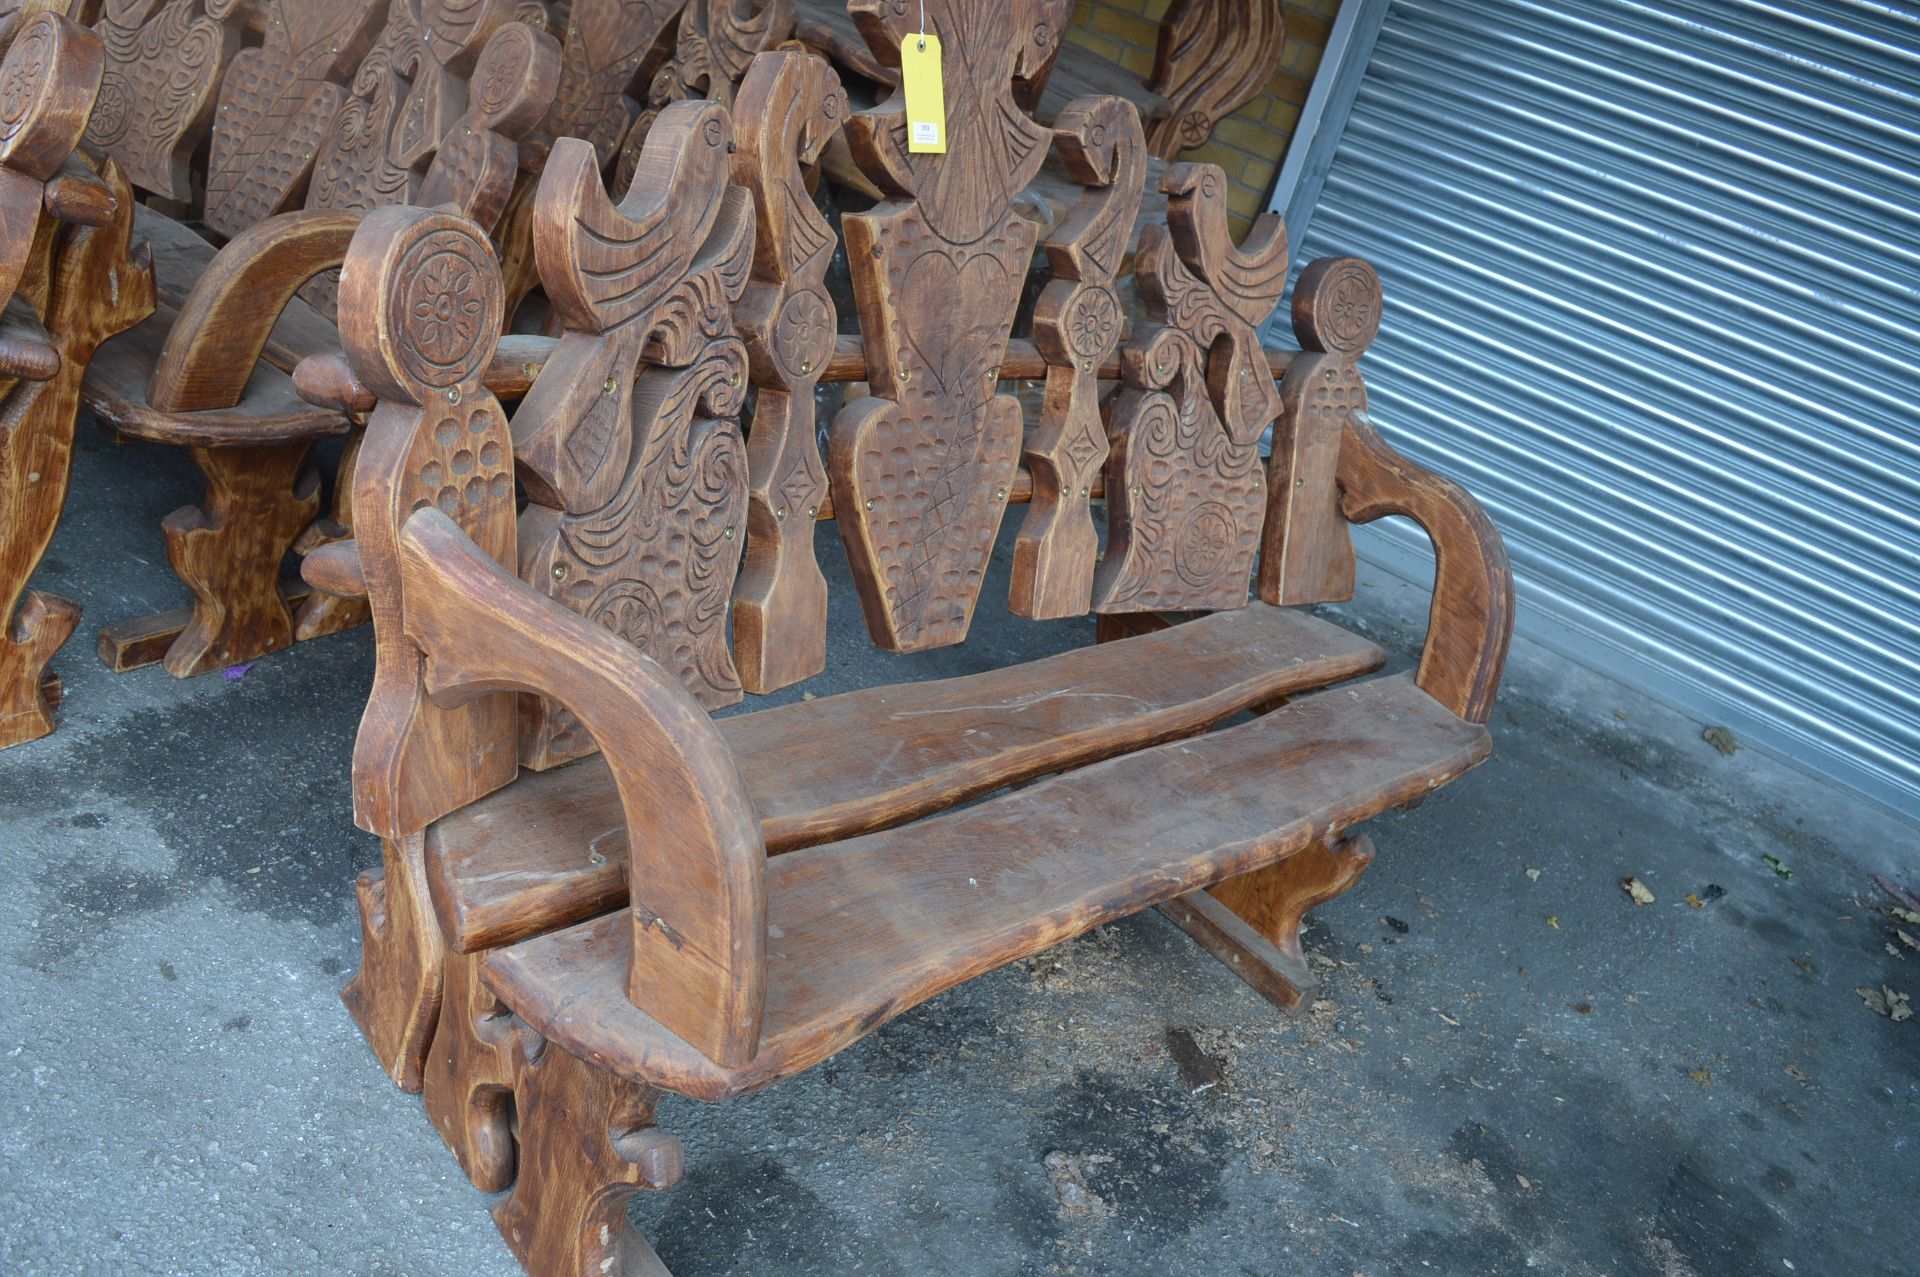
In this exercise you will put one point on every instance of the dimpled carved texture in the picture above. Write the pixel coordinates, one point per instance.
(421, 310)
(276, 106)
(922, 468)
(164, 64)
(1184, 491)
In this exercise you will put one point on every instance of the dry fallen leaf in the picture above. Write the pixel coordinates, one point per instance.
(1704, 1078)
(1907, 940)
(1638, 890)
(1885, 1001)
(1533, 875)
(1804, 965)
(1695, 902)
(1798, 1076)
(1553, 920)
(1720, 738)
(1525, 1183)
(1773, 862)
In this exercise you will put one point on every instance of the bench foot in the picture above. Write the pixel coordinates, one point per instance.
(324, 614)
(29, 693)
(395, 996)
(468, 1079)
(587, 1145)
(1252, 922)
(228, 550)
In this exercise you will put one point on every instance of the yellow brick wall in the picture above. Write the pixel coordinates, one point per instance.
(1250, 144)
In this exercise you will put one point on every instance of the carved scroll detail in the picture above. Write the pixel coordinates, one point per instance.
(1184, 499)
(796, 105)
(1077, 324)
(379, 150)
(602, 58)
(629, 442)
(165, 61)
(1213, 57)
(922, 467)
(717, 41)
(421, 310)
(276, 105)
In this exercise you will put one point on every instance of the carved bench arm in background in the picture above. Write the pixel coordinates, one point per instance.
(1471, 621)
(698, 868)
(224, 325)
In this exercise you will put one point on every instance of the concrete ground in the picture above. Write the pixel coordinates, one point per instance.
(1506, 1072)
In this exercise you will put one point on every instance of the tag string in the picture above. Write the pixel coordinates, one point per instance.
(923, 26)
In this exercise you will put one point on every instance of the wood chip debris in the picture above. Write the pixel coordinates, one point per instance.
(1886, 1001)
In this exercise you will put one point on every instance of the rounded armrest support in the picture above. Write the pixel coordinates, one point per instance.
(698, 862)
(224, 325)
(1471, 621)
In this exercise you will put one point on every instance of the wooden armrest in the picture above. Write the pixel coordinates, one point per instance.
(699, 905)
(1471, 621)
(78, 195)
(224, 325)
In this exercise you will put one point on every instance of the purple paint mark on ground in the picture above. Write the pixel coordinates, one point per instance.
(234, 673)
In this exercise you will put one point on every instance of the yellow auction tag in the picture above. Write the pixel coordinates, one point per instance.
(926, 95)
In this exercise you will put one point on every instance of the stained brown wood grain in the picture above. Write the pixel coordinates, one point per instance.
(792, 103)
(866, 928)
(629, 442)
(1252, 922)
(1184, 504)
(48, 75)
(587, 1145)
(923, 464)
(277, 102)
(603, 53)
(550, 850)
(1077, 324)
(395, 995)
(698, 925)
(1211, 58)
(1306, 554)
(468, 1075)
(165, 62)
(424, 290)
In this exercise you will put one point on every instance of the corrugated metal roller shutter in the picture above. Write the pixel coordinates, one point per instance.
(1653, 285)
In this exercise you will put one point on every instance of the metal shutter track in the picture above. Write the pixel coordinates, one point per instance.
(1653, 284)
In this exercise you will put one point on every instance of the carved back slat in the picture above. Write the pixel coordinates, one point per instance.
(380, 149)
(604, 61)
(922, 467)
(1211, 57)
(716, 42)
(629, 440)
(277, 103)
(791, 105)
(1077, 323)
(1306, 554)
(424, 292)
(165, 62)
(1184, 499)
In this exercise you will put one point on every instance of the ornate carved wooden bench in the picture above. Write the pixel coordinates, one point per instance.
(340, 114)
(708, 906)
(68, 281)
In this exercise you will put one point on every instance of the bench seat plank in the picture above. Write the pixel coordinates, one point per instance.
(551, 849)
(860, 931)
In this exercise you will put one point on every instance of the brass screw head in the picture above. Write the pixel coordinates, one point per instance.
(610, 385)
(729, 532)
(453, 394)
(559, 571)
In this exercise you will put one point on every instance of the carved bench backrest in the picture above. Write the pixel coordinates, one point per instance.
(277, 104)
(441, 102)
(166, 60)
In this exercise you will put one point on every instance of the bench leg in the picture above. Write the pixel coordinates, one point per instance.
(1252, 922)
(587, 1145)
(28, 692)
(468, 1079)
(229, 550)
(323, 614)
(395, 996)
